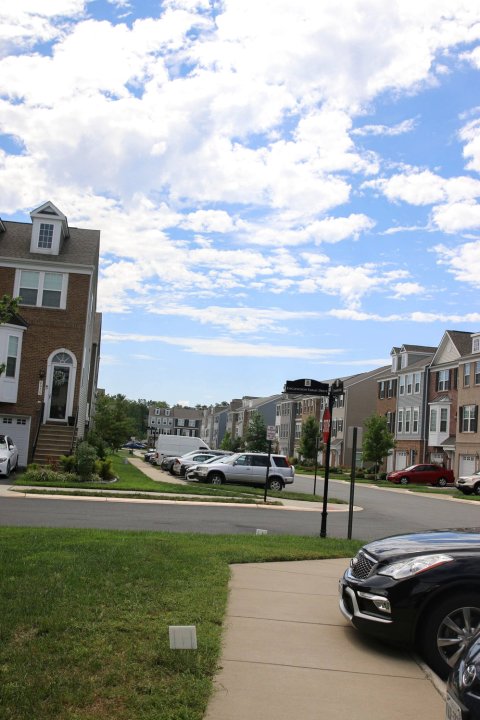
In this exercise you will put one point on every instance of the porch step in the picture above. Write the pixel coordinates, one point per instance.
(53, 441)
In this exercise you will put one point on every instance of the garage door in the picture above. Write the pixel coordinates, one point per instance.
(18, 428)
(467, 465)
(401, 460)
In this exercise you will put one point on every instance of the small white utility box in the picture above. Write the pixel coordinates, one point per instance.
(259, 531)
(183, 637)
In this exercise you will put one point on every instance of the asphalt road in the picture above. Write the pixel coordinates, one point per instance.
(384, 512)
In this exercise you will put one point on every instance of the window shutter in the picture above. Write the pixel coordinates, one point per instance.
(475, 420)
(436, 381)
(455, 378)
(460, 419)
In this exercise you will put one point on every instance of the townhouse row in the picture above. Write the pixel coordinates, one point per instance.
(428, 395)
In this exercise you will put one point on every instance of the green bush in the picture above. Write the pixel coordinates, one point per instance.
(103, 468)
(68, 463)
(85, 460)
(47, 475)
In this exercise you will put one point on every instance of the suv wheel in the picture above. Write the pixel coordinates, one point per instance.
(477, 489)
(442, 482)
(275, 484)
(216, 478)
(404, 480)
(447, 629)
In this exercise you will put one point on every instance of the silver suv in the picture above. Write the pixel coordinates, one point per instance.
(250, 468)
(469, 484)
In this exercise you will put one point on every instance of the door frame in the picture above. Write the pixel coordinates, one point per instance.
(49, 384)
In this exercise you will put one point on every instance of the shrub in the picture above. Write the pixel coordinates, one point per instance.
(98, 443)
(103, 468)
(85, 460)
(46, 475)
(68, 463)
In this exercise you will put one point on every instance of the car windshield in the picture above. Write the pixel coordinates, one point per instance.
(3, 441)
(409, 468)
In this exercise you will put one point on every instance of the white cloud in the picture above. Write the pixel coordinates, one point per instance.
(426, 188)
(470, 134)
(457, 217)
(463, 262)
(387, 130)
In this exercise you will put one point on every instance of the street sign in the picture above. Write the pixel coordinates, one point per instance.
(271, 432)
(305, 386)
(326, 418)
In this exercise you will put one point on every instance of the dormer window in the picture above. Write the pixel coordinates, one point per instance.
(476, 344)
(45, 236)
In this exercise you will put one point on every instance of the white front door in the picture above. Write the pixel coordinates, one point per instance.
(59, 389)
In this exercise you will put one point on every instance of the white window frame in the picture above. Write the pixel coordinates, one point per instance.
(409, 384)
(433, 420)
(401, 385)
(443, 420)
(416, 383)
(45, 243)
(467, 375)
(468, 418)
(400, 421)
(443, 380)
(415, 420)
(408, 416)
(40, 288)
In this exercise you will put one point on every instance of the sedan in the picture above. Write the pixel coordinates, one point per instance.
(192, 471)
(463, 688)
(181, 465)
(8, 455)
(420, 590)
(425, 474)
(134, 445)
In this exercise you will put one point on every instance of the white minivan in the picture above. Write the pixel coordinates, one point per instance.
(169, 445)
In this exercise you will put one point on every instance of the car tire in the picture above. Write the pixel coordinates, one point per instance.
(476, 489)
(275, 484)
(216, 478)
(8, 470)
(440, 643)
(465, 491)
(404, 480)
(442, 482)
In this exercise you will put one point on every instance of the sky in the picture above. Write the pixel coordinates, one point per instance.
(284, 188)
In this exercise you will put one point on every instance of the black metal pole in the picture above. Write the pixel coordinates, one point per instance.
(268, 470)
(323, 529)
(316, 467)
(352, 482)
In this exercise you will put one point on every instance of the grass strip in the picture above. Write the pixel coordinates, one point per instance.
(85, 615)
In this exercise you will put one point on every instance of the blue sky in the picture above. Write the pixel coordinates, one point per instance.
(284, 188)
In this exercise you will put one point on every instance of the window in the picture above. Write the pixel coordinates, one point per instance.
(42, 289)
(12, 354)
(390, 388)
(416, 383)
(409, 384)
(443, 380)
(157, 411)
(468, 418)
(443, 420)
(476, 345)
(45, 236)
(408, 414)
(401, 385)
(433, 420)
(466, 374)
(400, 421)
(381, 390)
(415, 420)
(477, 373)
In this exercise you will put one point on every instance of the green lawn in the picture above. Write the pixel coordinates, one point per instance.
(131, 478)
(85, 614)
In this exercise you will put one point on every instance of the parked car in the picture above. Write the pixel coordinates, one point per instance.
(421, 590)
(134, 445)
(149, 455)
(181, 464)
(468, 484)
(168, 461)
(8, 455)
(422, 475)
(249, 468)
(463, 687)
(192, 471)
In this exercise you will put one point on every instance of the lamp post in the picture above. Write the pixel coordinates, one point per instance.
(335, 390)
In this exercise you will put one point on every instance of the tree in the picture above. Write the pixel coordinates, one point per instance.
(230, 443)
(377, 440)
(113, 422)
(256, 436)
(8, 310)
(309, 439)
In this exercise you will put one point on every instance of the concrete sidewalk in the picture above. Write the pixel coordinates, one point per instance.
(288, 653)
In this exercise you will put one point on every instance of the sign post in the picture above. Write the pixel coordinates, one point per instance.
(315, 387)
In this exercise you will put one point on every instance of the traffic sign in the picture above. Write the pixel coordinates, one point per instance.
(326, 418)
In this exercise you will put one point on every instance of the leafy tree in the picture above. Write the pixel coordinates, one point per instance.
(377, 440)
(113, 421)
(230, 443)
(256, 435)
(308, 439)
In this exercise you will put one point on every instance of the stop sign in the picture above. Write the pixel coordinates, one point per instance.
(326, 424)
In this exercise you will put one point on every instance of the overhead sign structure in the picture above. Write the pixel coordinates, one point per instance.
(305, 386)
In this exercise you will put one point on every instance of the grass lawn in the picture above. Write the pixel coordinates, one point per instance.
(131, 478)
(85, 614)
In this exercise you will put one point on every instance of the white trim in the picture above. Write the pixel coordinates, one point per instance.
(49, 384)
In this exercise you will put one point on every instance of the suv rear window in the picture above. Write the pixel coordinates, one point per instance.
(280, 461)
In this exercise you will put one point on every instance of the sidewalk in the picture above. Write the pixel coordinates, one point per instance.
(288, 653)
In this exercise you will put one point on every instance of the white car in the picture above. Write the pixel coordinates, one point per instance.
(468, 484)
(8, 455)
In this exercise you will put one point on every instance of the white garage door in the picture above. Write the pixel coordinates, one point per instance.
(19, 430)
(467, 465)
(401, 460)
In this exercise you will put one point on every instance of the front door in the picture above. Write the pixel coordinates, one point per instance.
(59, 388)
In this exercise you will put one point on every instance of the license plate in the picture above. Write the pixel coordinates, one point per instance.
(453, 711)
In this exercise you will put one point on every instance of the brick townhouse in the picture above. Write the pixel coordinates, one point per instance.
(51, 350)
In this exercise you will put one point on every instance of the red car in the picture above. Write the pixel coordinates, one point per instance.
(422, 475)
